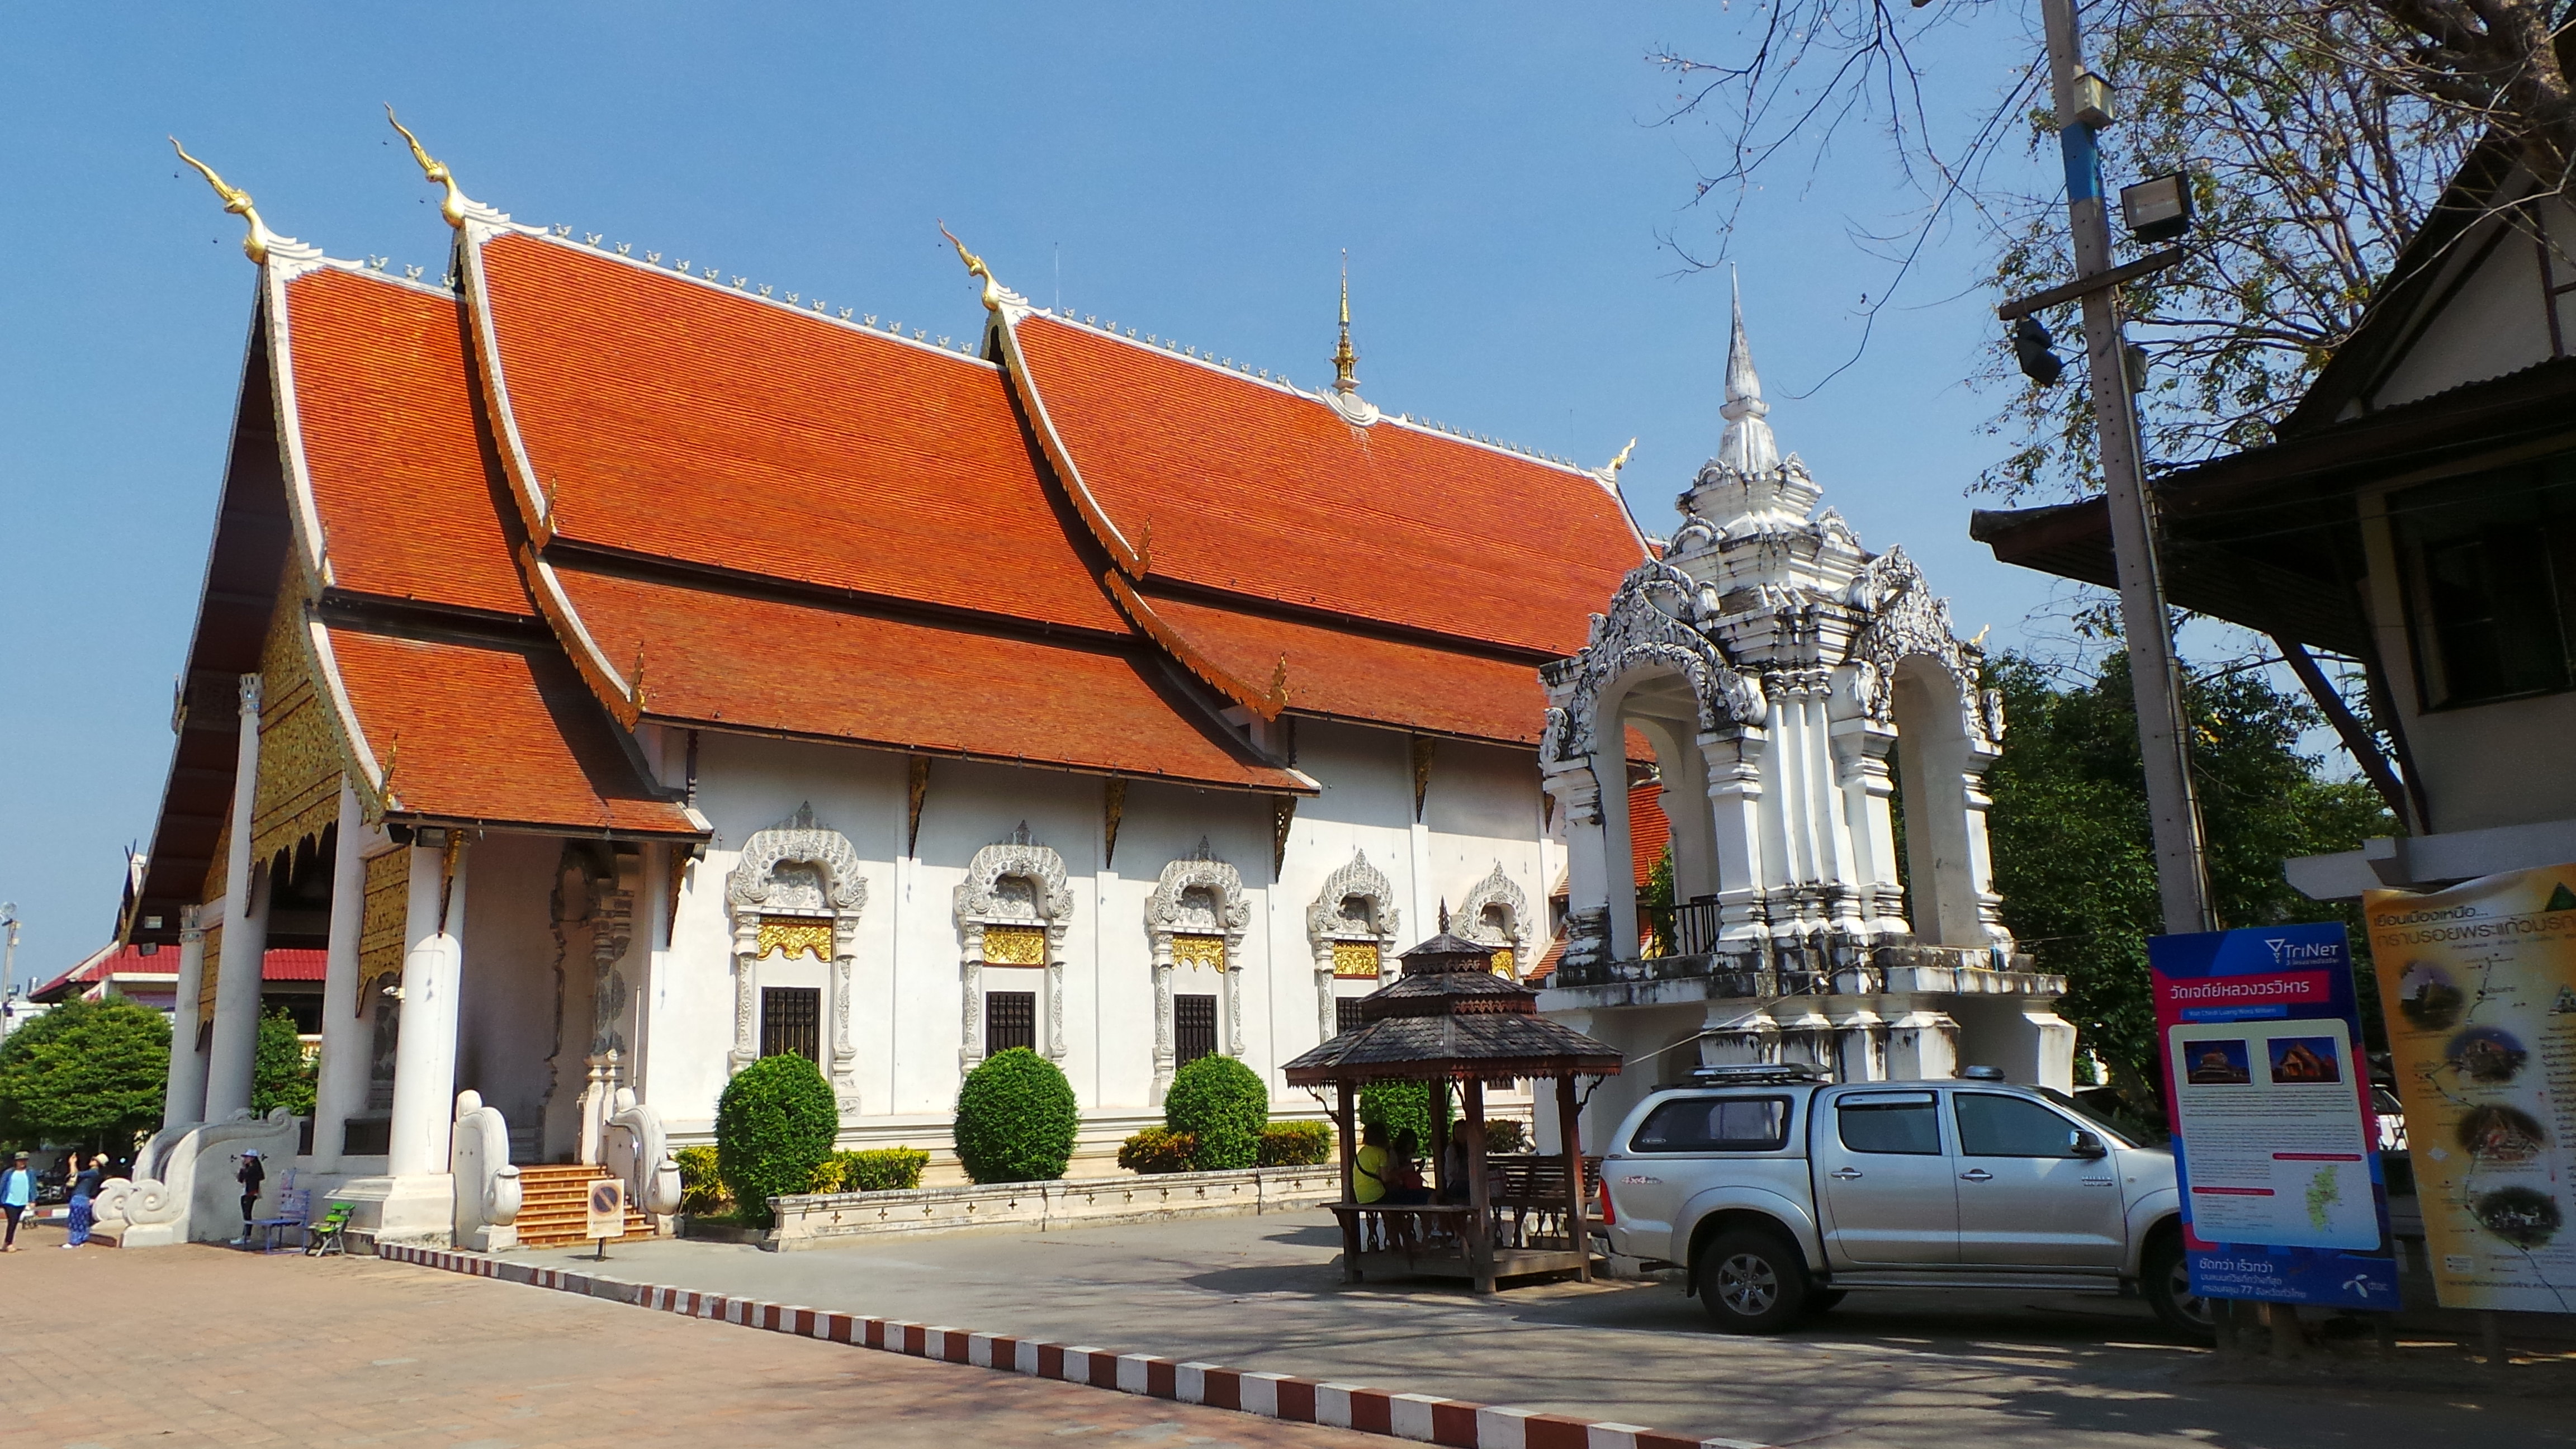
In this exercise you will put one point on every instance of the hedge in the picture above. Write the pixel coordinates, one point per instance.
(702, 1189)
(1158, 1149)
(1219, 1101)
(1296, 1144)
(1015, 1119)
(877, 1169)
(774, 1125)
(1402, 1107)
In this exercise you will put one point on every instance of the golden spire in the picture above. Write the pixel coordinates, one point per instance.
(1344, 359)
(995, 294)
(1611, 469)
(455, 204)
(236, 201)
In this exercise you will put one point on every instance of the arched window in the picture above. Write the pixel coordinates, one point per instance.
(795, 891)
(1195, 920)
(1013, 909)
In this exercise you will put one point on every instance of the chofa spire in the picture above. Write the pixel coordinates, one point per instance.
(455, 205)
(1748, 446)
(255, 242)
(1345, 380)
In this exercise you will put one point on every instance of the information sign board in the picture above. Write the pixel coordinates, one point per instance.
(2269, 1096)
(2479, 982)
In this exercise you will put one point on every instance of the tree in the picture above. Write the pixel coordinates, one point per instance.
(2322, 135)
(85, 1072)
(2072, 856)
(775, 1123)
(281, 1075)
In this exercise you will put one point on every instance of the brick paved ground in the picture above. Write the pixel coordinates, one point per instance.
(200, 1346)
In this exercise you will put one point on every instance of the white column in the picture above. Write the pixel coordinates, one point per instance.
(341, 1086)
(183, 1099)
(425, 1053)
(1734, 761)
(1587, 869)
(236, 1036)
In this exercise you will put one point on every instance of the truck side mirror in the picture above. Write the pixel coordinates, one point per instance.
(2085, 1144)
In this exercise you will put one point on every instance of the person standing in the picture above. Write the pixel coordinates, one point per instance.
(251, 1176)
(84, 1189)
(17, 1190)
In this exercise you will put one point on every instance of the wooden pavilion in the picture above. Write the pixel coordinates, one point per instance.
(1450, 1019)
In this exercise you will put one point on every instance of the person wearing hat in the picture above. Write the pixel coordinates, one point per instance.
(17, 1189)
(251, 1176)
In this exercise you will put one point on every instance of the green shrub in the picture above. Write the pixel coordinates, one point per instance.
(1402, 1107)
(1015, 1119)
(702, 1190)
(1296, 1144)
(1223, 1104)
(774, 1125)
(1506, 1134)
(877, 1169)
(1158, 1149)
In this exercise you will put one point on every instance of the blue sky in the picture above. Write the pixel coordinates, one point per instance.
(1192, 170)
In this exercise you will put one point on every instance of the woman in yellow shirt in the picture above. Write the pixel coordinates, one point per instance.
(1368, 1184)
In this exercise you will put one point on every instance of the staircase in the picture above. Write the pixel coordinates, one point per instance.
(554, 1206)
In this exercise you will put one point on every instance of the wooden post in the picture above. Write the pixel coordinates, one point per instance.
(1569, 1133)
(1343, 1115)
(1480, 1227)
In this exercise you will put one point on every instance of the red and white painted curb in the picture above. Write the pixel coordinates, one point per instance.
(1425, 1418)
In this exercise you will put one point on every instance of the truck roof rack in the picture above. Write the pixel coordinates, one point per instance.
(1759, 1074)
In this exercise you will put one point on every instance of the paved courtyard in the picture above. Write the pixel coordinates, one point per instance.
(1886, 1371)
(101, 1349)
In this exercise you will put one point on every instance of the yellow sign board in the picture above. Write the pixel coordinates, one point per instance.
(2479, 986)
(607, 1215)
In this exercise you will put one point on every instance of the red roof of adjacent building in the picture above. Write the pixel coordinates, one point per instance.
(1211, 478)
(385, 418)
(280, 964)
(1649, 832)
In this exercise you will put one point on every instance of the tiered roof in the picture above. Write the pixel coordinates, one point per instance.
(581, 491)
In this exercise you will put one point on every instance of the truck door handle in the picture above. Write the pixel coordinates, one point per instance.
(2101, 1182)
(1976, 1174)
(1845, 1173)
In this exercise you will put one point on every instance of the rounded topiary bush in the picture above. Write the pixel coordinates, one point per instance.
(1015, 1119)
(774, 1125)
(1219, 1101)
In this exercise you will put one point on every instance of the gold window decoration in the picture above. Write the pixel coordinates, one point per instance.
(1503, 962)
(1014, 945)
(1355, 958)
(1199, 951)
(789, 935)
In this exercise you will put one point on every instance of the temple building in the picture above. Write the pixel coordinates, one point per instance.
(622, 673)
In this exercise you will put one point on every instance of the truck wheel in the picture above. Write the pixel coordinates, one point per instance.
(1751, 1282)
(2166, 1280)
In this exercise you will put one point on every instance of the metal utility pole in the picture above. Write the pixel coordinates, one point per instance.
(2182, 876)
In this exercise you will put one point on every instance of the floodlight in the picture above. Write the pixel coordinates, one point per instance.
(2159, 208)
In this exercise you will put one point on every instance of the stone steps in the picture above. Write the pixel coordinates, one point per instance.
(554, 1205)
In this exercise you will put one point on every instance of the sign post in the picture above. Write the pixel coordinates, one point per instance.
(2274, 1136)
(2479, 982)
(607, 1212)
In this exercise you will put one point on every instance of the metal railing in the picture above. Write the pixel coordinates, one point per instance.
(1687, 929)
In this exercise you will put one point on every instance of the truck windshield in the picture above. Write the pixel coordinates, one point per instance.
(2123, 1127)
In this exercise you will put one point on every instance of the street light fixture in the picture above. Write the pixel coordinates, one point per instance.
(2158, 209)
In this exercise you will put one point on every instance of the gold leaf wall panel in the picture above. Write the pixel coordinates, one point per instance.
(388, 908)
(1355, 958)
(1015, 945)
(1199, 951)
(213, 968)
(789, 935)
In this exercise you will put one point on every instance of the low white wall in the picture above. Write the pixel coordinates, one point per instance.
(824, 1220)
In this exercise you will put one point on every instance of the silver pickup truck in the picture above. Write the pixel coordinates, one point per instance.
(1780, 1192)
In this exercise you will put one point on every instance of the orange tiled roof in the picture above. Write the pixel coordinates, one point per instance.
(677, 420)
(488, 733)
(385, 413)
(1356, 676)
(762, 664)
(1214, 479)
(1649, 831)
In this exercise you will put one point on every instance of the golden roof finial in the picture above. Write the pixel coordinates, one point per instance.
(455, 204)
(1344, 359)
(236, 201)
(995, 294)
(1611, 470)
